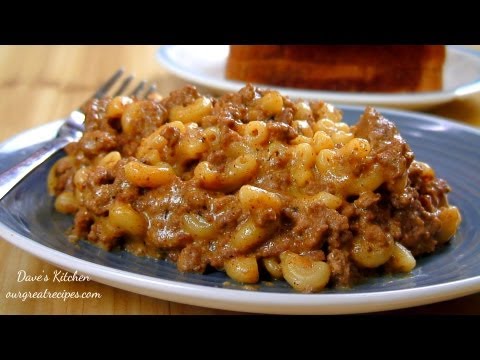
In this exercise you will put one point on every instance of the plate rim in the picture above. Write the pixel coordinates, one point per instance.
(407, 99)
(241, 300)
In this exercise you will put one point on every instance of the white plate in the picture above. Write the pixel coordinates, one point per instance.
(205, 65)
(27, 220)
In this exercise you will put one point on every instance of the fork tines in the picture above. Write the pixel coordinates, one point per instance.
(138, 92)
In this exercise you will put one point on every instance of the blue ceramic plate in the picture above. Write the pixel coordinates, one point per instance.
(205, 65)
(28, 221)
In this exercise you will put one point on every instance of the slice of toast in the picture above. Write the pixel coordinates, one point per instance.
(369, 68)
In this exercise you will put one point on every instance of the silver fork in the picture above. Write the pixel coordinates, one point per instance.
(71, 130)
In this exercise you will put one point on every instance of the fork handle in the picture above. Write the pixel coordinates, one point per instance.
(12, 176)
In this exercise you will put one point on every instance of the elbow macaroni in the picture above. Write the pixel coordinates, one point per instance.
(243, 269)
(192, 113)
(252, 197)
(237, 173)
(247, 235)
(303, 274)
(149, 176)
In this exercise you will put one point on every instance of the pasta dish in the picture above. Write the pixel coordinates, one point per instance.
(253, 184)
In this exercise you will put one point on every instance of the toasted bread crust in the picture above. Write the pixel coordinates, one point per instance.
(389, 68)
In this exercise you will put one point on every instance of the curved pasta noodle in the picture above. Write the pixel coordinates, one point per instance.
(52, 180)
(237, 173)
(117, 105)
(179, 125)
(402, 259)
(450, 219)
(325, 125)
(341, 137)
(193, 112)
(304, 274)
(271, 103)
(80, 178)
(321, 141)
(110, 160)
(147, 175)
(368, 181)
(212, 135)
(252, 197)
(302, 111)
(325, 160)
(328, 111)
(329, 200)
(198, 227)
(256, 132)
(301, 139)
(248, 235)
(191, 147)
(124, 217)
(272, 265)
(243, 269)
(357, 148)
(130, 116)
(66, 203)
(303, 128)
(149, 148)
(426, 169)
(370, 254)
(303, 161)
